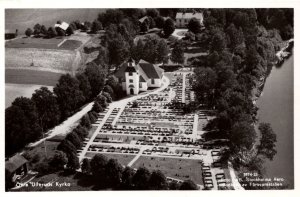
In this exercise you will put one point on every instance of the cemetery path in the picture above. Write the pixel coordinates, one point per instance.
(121, 104)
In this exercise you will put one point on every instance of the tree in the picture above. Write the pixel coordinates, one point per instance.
(173, 185)
(58, 161)
(69, 95)
(188, 185)
(74, 139)
(28, 32)
(43, 30)
(73, 162)
(205, 85)
(113, 170)
(47, 108)
(118, 49)
(267, 145)
(70, 30)
(102, 101)
(37, 29)
(60, 31)
(144, 26)
(162, 51)
(169, 27)
(152, 12)
(84, 86)
(97, 107)
(127, 176)
(67, 147)
(177, 55)
(218, 42)
(85, 121)
(29, 109)
(51, 32)
(159, 21)
(158, 181)
(17, 130)
(96, 26)
(86, 166)
(96, 77)
(141, 178)
(92, 116)
(108, 89)
(194, 26)
(107, 96)
(98, 164)
(242, 136)
(82, 132)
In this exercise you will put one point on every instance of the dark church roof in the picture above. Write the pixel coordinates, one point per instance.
(14, 163)
(145, 69)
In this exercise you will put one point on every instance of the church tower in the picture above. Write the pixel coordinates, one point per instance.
(131, 78)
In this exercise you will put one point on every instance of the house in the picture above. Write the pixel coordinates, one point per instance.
(135, 78)
(16, 168)
(10, 34)
(183, 19)
(63, 25)
(144, 19)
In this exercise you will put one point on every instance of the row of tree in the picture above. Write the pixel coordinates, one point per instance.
(109, 173)
(241, 52)
(41, 30)
(28, 118)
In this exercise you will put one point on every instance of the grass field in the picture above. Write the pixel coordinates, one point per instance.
(176, 168)
(123, 159)
(26, 76)
(13, 91)
(26, 42)
(56, 60)
(22, 19)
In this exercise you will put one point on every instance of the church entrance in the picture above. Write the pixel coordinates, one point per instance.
(131, 91)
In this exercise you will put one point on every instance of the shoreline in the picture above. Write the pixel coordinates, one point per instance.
(281, 55)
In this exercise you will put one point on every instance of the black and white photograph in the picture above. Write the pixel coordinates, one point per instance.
(148, 98)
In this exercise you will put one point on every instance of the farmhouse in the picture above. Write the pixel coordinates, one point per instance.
(183, 19)
(63, 25)
(135, 78)
(10, 34)
(16, 168)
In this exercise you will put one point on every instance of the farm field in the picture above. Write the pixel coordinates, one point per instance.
(21, 19)
(28, 76)
(176, 168)
(13, 91)
(55, 60)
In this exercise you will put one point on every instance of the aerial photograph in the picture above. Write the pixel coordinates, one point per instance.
(149, 99)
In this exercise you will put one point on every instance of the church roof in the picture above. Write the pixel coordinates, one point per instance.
(145, 69)
(152, 71)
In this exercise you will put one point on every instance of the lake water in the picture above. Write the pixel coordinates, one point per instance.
(276, 107)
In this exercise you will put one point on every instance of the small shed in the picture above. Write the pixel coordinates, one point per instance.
(16, 167)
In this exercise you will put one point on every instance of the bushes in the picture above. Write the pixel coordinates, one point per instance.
(97, 107)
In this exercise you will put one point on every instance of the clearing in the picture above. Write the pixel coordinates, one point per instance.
(175, 168)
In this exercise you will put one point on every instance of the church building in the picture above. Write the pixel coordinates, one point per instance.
(136, 78)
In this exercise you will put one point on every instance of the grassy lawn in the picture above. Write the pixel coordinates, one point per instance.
(175, 168)
(37, 153)
(92, 131)
(26, 76)
(123, 159)
(26, 42)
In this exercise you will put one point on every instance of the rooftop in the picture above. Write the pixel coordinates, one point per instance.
(189, 15)
(14, 163)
